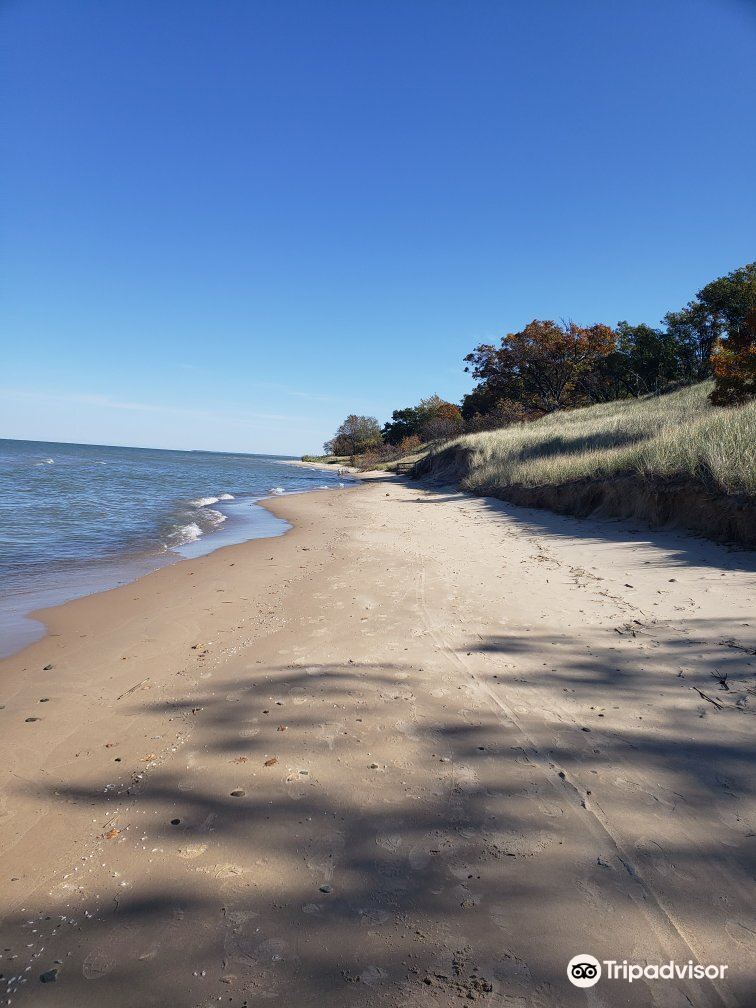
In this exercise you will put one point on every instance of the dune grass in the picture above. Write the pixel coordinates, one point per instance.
(677, 435)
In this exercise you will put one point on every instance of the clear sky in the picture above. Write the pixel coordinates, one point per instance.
(226, 224)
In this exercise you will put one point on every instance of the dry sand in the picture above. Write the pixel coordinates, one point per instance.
(424, 748)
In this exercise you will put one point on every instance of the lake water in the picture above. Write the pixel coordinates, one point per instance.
(81, 518)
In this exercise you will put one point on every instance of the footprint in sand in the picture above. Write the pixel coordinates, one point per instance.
(464, 776)
(230, 876)
(550, 809)
(323, 854)
(373, 916)
(373, 975)
(519, 844)
(273, 950)
(419, 856)
(390, 843)
(328, 733)
(95, 966)
(511, 969)
(192, 851)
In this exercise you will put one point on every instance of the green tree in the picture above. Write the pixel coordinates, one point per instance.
(717, 312)
(646, 359)
(404, 423)
(356, 434)
(431, 418)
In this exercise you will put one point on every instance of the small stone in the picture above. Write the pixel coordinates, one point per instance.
(238, 793)
(373, 766)
(50, 976)
(326, 889)
(30, 719)
(46, 668)
(175, 822)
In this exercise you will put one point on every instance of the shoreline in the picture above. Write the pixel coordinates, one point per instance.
(417, 715)
(130, 569)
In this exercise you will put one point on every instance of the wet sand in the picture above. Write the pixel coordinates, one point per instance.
(423, 748)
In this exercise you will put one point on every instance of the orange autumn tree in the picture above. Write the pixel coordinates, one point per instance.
(443, 419)
(733, 362)
(546, 366)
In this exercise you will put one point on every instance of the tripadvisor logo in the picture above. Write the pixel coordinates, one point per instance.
(585, 970)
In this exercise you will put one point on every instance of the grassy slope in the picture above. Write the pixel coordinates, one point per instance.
(674, 435)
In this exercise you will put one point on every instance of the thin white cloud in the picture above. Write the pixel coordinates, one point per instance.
(104, 401)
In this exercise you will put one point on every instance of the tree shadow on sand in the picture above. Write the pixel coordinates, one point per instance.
(431, 879)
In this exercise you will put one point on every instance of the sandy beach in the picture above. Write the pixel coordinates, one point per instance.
(424, 748)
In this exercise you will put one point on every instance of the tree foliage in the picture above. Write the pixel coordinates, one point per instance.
(356, 434)
(546, 366)
(734, 364)
(431, 418)
(646, 359)
(717, 312)
(551, 366)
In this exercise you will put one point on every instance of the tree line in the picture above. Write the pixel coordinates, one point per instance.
(550, 366)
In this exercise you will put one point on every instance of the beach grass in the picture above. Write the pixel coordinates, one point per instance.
(675, 435)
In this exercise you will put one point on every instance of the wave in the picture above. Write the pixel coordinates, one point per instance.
(205, 501)
(204, 520)
(213, 517)
(45, 462)
(185, 534)
(277, 490)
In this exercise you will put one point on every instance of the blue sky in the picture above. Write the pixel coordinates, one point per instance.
(226, 225)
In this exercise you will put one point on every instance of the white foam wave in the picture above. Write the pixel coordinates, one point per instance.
(45, 462)
(214, 517)
(206, 501)
(277, 490)
(185, 534)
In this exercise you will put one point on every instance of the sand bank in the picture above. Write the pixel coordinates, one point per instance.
(422, 746)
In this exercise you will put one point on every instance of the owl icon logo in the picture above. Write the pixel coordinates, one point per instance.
(584, 970)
